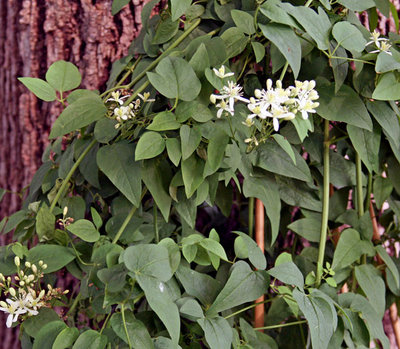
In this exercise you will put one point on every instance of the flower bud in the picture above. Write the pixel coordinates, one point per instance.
(213, 99)
(40, 263)
(3, 304)
(34, 268)
(41, 294)
(65, 211)
(44, 266)
(2, 277)
(22, 283)
(27, 264)
(12, 292)
(17, 261)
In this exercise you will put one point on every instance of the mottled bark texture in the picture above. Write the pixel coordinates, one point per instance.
(34, 34)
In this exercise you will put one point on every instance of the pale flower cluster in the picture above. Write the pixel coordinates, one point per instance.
(123, 112)
(275, 102)
(381, 44)
(23, 299)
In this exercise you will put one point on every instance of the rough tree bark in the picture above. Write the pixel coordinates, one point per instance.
(34, 34)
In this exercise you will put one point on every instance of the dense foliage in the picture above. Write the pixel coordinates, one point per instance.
(146, 192)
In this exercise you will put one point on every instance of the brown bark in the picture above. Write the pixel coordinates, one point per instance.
(34, 34)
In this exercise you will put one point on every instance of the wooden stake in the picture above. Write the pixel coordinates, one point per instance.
(259, 310)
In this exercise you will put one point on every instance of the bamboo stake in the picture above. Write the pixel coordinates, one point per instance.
(259, 233)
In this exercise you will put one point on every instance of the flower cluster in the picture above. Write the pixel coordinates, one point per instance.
(24, 298)
(274, 102)
(381, 44)
(122, 112)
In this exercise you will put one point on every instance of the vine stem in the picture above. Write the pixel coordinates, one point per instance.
(251, 216)
(248, 307)
(156, 233)
(127, 219)
(165, 53)
(70, 173)
(125, 328)
(259, 232)
(359, 189)
(282, 325)
(74, 304)
(325, 206)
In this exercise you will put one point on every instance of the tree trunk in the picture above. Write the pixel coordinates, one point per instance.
(34, 34)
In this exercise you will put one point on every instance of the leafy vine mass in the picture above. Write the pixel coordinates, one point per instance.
(146, 191)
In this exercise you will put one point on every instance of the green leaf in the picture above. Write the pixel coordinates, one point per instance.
(285, 145)
(254, 253)
(244, 21)
(66, 338)
(373, 286)
(200, 60)
(199, 285)
(164, 121)
(79, 114)
(195, 110)
(54, 256)
(387, 119)
(386, 62)
(317, 25)
(166, 30)
(173, 251)
(391, 266)
(276, 14)
(308, 228)
(39, 88)
(357, 5)
(388, 88)
(174, 150)
(175, 78)
(138, 335)
(215, 247)
(63, 76)
(235, 41)
(319, 317)
(191, 309)
(382, 189)
(179, 7)
(148, 259)
(91, 340)
(345, 106)
(241, 250)
(286, 41)
(118, 163)
(149, 146)
(273, 158)
(156, 176)
(117, 6)
(348, 249)
(217, 331)
(244, 285)
(348, 36)
(33, 324)
(162, 303)
(367, 145)
(216, 148)
(45, 223)
(104, 130)
(192, 174)
(98, 222)
(288, 273)
(259, 50)
(265, 189)
(186, 209)
(47, 335)
(85, 230)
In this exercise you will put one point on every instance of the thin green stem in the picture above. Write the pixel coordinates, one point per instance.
(138, 90)
(325, 206)
(105, 322)
(251, 217)
(308, 3)
(127, 219)
(125, 328)
(283, 71)
(281, 325)
(74, 304)
(248, 307)
(359, 187)
(369, 192)
(70, 173)
(166, 52)
(155, 213)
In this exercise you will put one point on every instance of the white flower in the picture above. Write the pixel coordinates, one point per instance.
(124, 113)
(145, 97)
(116, 97)
(281, 113)
(381, 44)
(13, 309)
(223, 106)
(233, 93)
(221, 72)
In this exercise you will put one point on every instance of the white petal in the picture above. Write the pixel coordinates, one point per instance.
(9, 321)
(276, 124)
